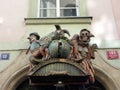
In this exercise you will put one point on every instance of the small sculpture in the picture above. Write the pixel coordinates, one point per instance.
(87, 52)
(57, 45)
(60, 33)
(82, 52)
(36, 49)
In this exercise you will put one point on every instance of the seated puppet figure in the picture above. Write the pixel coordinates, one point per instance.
(82, 52)
(87, 52)
(37, 50)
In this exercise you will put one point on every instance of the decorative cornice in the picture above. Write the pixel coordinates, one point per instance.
(61, 20)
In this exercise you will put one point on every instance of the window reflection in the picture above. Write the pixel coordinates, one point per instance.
(57, 8)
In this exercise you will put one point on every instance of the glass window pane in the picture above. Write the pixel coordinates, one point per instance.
(48, 13)
(47, 3)
(48, 8)
(43, 13)
(43, 4)
(67, 3)
(68, 12)
(68, 8)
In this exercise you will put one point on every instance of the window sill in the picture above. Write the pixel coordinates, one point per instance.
(62, 20)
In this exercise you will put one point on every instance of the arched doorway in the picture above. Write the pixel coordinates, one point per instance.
(40, 79)
(19, 81)
(25, 86)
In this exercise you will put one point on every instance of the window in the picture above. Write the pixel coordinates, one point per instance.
(58, 8)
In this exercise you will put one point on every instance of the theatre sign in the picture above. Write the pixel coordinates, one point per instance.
(112, 54)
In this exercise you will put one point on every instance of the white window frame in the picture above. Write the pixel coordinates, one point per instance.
(58, 9)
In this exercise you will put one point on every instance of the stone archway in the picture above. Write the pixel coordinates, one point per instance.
(20, 76)
(15, 79)
(105, 79)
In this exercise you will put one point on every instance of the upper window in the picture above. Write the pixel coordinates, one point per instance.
(58, 8)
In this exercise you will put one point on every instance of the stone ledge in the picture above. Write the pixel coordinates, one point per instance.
(62, 20)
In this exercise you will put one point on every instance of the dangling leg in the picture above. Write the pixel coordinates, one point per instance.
(42, 53)
(31, 66)
(47, 54)
(85, 66)
(92, 78)
(92, 72)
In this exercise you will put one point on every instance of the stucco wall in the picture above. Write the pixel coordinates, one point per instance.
(12, 14)
(105, 24)
(106, 21)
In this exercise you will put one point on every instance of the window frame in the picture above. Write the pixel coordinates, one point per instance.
(58, 8)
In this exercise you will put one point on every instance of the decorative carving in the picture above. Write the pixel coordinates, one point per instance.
(58, 73)
(83, 52)
(59, 46)
(37, 50)
(56, 45)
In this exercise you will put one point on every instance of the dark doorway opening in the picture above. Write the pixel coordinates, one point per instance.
(25, 86)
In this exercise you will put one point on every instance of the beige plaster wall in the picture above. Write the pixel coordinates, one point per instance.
(106, 18)
(12, 14)
(15, 68)
(116, 13)
(108, 70)
(105, 24)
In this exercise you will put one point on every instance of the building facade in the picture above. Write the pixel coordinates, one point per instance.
(19, 18)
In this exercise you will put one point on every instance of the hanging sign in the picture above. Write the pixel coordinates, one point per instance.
(112, 54)
(4, 56)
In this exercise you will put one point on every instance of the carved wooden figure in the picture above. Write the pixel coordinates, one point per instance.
(63, 54)
(87, 52)
(37, 50)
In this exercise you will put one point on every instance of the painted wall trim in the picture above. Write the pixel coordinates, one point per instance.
(62, 20)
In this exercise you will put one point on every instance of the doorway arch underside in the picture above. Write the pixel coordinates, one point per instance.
(20, 82)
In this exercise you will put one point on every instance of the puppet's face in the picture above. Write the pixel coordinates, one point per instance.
(85, 36)
(32, 38)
